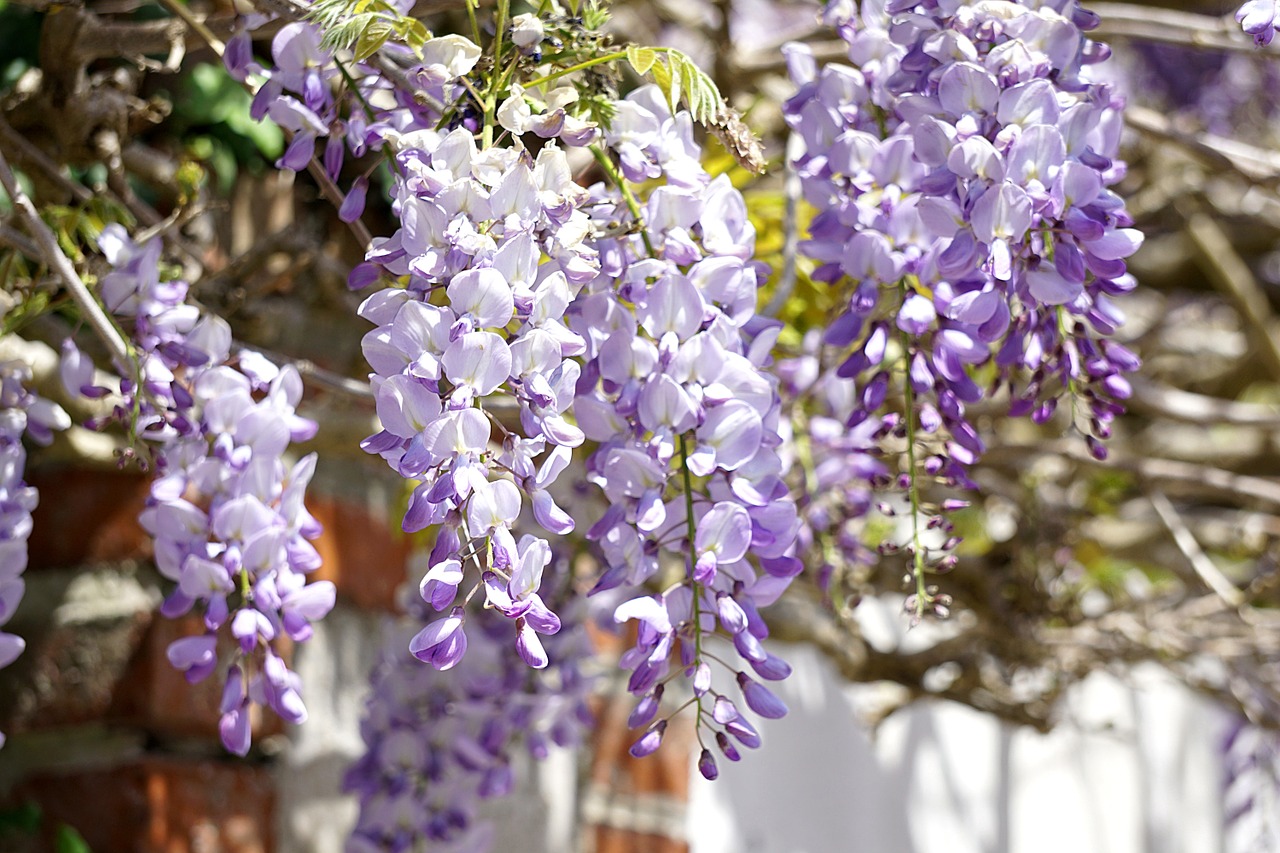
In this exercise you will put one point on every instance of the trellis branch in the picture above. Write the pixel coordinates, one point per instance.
(51, 253)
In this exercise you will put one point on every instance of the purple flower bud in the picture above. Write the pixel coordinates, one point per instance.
(701, 679)
(442, 643)
(195, 656)
(233, 728)
(298, 153)
(645, 709)
(726, 746)
(707, 765)
(724, 711)
(772, 668)
(363, 275)
(760, 699)
(353, 204)
(744, 732)
(649, 741)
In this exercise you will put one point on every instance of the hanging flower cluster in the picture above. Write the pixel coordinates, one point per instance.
(492, 249)
(960, 169)
(438, 743)
(685, 419)
(225, 510)
(21, 413)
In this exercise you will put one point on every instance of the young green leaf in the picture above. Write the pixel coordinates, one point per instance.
(641, 58)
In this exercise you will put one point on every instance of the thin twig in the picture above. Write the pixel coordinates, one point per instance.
(180, 10)
(1251, 162)
(37, 158)
(15, 239)
(52, 254)
(314, 374)
(1190, 548)
(1170, 26)
(1232, 275)
(1205, 478)
(1200, 409)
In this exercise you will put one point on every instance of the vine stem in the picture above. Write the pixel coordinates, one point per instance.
(913, 487)
(53, 255)
(590, 63)
(633, 205)
(689, 522)
(629, 197)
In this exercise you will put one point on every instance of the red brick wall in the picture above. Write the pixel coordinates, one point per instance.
(106, 737)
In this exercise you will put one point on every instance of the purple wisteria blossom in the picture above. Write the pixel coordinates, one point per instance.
(960, 167)
(491, 251)
(21, 413)
(1258, 19)
(225, 510)
(438, 743)
(685, 419)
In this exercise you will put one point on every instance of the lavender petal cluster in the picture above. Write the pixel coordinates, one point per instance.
(225, 510)
(961, 169)
(439, 743)
(685, 418)
(354, 108)
(491, 250)
(21, 413)
(1258, 18)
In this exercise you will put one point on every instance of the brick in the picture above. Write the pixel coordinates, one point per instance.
(159, 805)
(86, 515)
(362, 555)
(608, 839)
(664, 772)
(83, 630)
(155, 696)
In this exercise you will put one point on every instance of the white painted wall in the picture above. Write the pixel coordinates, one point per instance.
(1133, 768)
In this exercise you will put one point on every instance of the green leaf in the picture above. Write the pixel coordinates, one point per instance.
(641, 58)
(68, 840)
(372, 39)
(673, 82)
(682, 81)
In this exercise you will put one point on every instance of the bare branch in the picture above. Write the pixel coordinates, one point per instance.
(1200, 409)
(1169, 26)
(1199, 560)
(1232, 275)
(53, 255)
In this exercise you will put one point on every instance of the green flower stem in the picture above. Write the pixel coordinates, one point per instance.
(687, 477)
(629, 197)
(490, 103)
(590, 63)
(692, 530)
(913, 488)
(471, 16)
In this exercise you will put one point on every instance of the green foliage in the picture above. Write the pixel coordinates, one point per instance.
(19, 41)
(24, 821)
(595, 15)
(211, 115)
(680, 79)
(209, 97)
(19, 315)
(68, 840)
(364, 26)
(599, 107)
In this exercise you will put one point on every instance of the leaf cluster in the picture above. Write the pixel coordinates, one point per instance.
(364, 26)
(680, 79)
